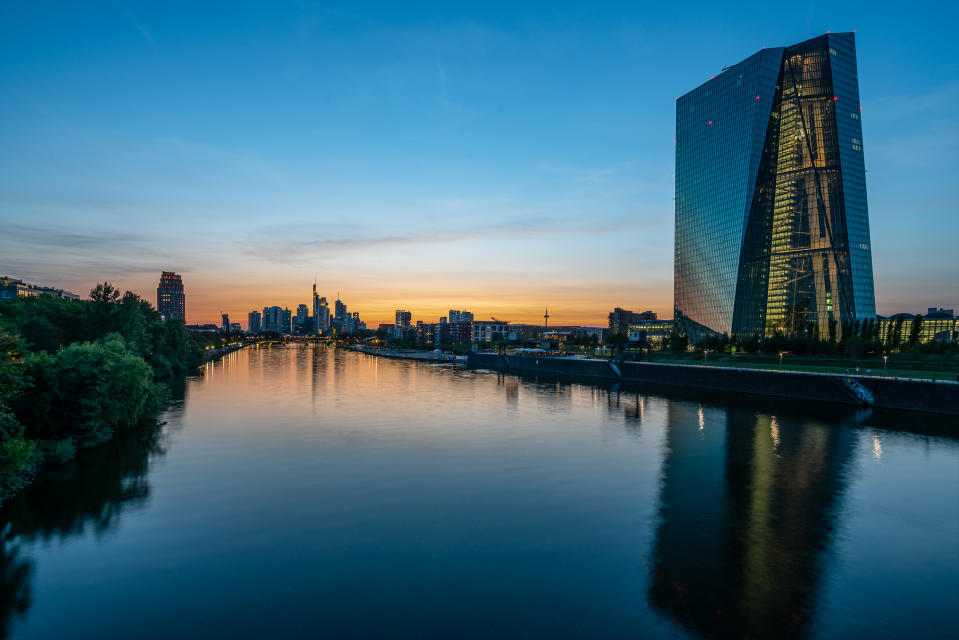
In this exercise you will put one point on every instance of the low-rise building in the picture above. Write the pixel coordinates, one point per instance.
(651, 332)
(937, 325)
(15, 288)
(488, 330)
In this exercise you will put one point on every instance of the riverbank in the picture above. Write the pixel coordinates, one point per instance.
(422, 356)
(211, 355)
(862, 390)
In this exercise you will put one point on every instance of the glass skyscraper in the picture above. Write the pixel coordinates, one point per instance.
(772, 230)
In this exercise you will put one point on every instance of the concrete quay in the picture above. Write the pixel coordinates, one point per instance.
(861, 390)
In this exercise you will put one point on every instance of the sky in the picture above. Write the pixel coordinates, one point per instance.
(498, 157)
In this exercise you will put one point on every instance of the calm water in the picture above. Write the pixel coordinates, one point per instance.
(308, 492)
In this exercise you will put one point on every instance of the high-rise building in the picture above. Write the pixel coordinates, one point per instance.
(302, 322)
(286, 319)
(458, 316)
(171, 301)
(772, 230)
(253, 322)
(339, 315)
(225, 324)
(403, 319)
(321, 313)
(273, 319)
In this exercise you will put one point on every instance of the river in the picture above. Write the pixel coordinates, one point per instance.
(304, 491)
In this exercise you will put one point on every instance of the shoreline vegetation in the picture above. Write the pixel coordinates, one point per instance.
(74, 373)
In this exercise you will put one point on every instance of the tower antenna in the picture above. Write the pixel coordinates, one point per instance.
(546, 316)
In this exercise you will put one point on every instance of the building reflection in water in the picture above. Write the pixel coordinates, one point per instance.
(748, 507)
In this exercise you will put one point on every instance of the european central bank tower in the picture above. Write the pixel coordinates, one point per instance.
(772, 229)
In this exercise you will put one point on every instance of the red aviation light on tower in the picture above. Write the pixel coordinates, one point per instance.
(709, 123)
(835, 98)
(757, 97)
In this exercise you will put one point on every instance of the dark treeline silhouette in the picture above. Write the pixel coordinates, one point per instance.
(75, 372)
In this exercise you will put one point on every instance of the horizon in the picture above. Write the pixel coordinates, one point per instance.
(496, 160)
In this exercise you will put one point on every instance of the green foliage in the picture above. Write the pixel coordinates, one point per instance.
(73, 372)
(16, 455)
(16, 452)
(677, 342)
(915, 329)
(85, 391)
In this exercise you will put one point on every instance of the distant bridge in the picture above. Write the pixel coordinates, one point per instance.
(290, 339)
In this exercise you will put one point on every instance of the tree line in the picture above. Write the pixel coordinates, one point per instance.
(75, 372)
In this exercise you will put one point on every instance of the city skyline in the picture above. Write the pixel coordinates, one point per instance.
(498, 161)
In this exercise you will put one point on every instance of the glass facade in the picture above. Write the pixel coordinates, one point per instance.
(772, 231)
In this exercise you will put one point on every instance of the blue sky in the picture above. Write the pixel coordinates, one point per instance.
(499, 157)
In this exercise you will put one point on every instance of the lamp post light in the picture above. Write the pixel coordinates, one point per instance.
(885, 359)
(781, 359)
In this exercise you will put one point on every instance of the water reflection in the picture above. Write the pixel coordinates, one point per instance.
(88, 494)
(313, 483)
(747, 517)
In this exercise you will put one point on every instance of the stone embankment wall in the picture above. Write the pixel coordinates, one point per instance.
(426, 356)
(216, 354)
(887, 393)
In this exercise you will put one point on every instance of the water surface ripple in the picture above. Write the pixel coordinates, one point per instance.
(312, 492)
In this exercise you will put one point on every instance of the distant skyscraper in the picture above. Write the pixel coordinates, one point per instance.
(317, 321)
(286, 320)
(253, 322)
(171, 301)
(321, 314)
(302, 322)
(460, 316)
(225, 324)
(772, 230)
(403, 319)
(339, 311)
(273, 319)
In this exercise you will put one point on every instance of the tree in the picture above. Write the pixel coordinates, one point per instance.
(915, 330)
(677, 342)
(895, 338)
(86, 391)
(104, 293)
(15, 451)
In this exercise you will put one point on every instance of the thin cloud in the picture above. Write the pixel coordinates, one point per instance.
(296, 250)
(144, 33)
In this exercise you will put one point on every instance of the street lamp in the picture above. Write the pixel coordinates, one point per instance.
(781, 359)
(885, 359)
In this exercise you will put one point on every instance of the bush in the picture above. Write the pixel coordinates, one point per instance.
(85, 391)
(73, 372)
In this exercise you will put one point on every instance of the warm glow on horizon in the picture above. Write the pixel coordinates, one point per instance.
(205, 302)
(500, 162)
